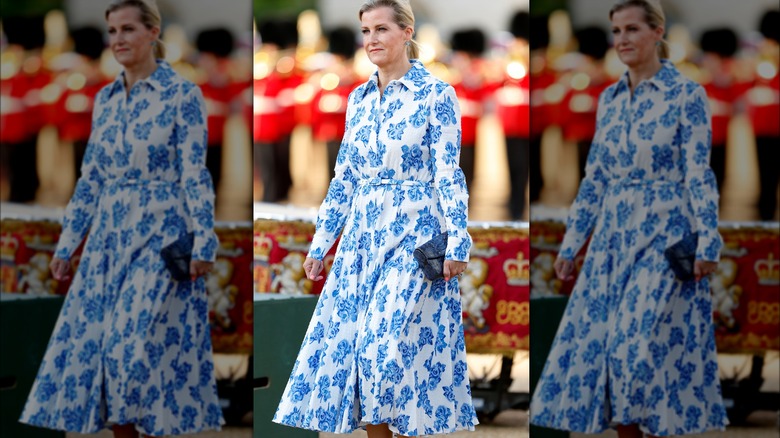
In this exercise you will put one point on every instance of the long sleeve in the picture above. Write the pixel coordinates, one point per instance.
(190, 136)
(584, 212)
(449, 180)
(82, 206)
(698, 176)
(334, 210)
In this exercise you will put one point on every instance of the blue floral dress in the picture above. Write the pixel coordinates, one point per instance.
(637, 345)
(386, 345)
(131, 344)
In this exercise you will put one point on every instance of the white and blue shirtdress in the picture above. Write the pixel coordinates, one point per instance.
(131, 344)
(386, 345)
(636, 345)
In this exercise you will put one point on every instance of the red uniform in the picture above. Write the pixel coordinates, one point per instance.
(329, 111)
(578, 110)
(513, 104)
(764, 106)
(471, 107)
(266, 110)
(74, 111)
(21, 111)
(217, 100)
(543, 110)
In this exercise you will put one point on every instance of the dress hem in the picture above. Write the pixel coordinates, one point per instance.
(108, 426)
(363, 426)
(645, 430)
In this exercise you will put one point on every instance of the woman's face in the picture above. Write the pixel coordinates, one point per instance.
(635, 41)
(383, 40)
(130, 41)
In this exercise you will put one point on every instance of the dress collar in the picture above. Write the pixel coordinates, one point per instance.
(663, 80)
(413, 80)
(160, 78)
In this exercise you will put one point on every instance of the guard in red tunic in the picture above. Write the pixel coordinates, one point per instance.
(470, 87)
(542, 77)
(21, 112)
(275, 116)
(723, 89)
(215, 47)
(764, 109)
(513, 106)
(578, 109)
(81, 84)
(329, 105)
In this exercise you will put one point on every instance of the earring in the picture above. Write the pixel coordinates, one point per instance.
(657, 43)
(154, 43)
(408, 43)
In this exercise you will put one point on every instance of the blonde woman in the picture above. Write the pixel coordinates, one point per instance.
(385, 349)
(636, 347)
(131, 349)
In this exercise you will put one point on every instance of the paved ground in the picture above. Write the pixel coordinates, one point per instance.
(228, 432)
(762, 424)
(508, 424)
(514, 424)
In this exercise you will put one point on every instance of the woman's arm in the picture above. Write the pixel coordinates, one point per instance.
(335, 208)
(697, 174)
(190, 134)
(584, 212)
(81, 208)
(448, 178)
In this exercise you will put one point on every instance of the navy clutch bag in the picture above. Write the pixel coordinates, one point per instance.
(430, 256)
(682, 255)
(177, 256)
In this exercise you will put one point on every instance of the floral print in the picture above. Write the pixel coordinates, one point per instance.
(131, 344)
(385, 345)
(636, 345)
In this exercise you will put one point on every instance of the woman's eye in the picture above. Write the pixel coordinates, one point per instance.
(364, 31)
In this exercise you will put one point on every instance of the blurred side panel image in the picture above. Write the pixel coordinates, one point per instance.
(124, 127)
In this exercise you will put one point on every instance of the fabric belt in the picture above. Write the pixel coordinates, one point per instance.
(628, 182)
(393, 182)
(121, 182)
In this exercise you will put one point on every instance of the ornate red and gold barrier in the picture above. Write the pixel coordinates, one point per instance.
(745, 289)
(494, 289)
(27, 245)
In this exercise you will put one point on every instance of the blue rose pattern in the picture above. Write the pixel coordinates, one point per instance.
(387, 343)
(636, 345)
(132, 345)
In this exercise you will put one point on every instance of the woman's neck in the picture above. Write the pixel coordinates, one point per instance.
(644, 71)
(393, 72)
(139, 71)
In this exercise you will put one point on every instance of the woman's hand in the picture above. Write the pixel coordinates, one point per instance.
(453, 268)
(312, 268)
(703, 268)
(564, 269)
(199, 268)
(60, 269)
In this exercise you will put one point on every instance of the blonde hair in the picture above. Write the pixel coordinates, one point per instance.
(402, 16)
(150, 17)
(654, 17)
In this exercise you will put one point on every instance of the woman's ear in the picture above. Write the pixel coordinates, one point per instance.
(155, 32)
(659, 32)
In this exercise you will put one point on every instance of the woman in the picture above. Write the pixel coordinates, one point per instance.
(385, 347)
(131, 348)
(636, 348)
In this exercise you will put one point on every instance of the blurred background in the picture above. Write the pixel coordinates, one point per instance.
(309, 57)
(54, 58)
(731, 48)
